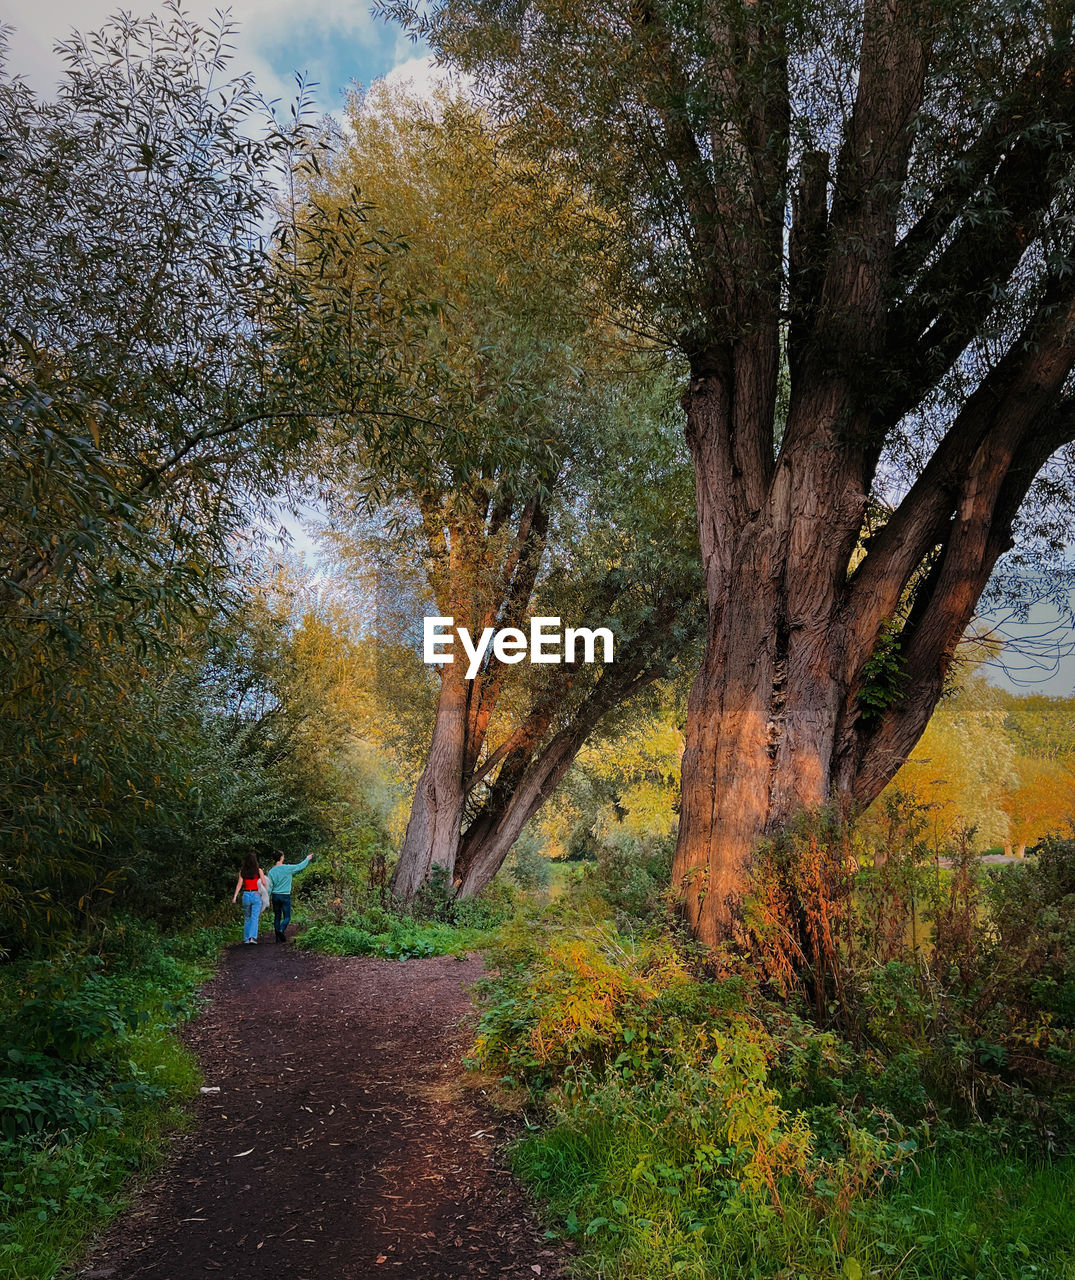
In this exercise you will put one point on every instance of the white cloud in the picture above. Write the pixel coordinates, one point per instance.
(421, 74)
(291, 25)
(348, 17)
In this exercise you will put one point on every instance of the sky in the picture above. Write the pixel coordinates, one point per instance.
(334, 42)
(1039, 654)
(339, 42)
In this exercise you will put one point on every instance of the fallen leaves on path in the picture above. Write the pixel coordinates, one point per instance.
(372, 1150)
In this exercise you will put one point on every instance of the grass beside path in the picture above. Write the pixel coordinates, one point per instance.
(684, 1126)
(451, 928)
(954, 1217)
(92, 1082)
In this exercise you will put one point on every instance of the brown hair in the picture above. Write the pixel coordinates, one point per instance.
(250, 867)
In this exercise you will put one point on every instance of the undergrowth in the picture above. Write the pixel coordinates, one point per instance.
(690, 1114)
(92, 1080)
(437, 924)
(375, 933)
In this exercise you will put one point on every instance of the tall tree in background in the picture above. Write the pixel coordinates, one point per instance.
(854, 221)
(529, 467)
(143, 415)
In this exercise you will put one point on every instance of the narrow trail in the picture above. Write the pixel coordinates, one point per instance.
(344, 1143)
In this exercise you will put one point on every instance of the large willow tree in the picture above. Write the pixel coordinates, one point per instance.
(854, 220)
(528, 463)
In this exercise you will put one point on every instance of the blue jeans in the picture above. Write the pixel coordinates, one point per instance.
(251, 911)
(281, 911)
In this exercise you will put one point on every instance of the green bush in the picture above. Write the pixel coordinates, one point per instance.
(375, 933)
(436, 901)
(633, 874)
(961, 979)
(692, 1127)
(526, 866)
(90, 1080)
(350, 874)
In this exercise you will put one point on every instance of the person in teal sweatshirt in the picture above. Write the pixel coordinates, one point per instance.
(280, 891)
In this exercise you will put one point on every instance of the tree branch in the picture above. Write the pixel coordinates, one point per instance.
(999, 478)
(1008, 402)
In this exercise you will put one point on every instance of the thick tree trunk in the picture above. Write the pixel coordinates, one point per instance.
(774, 721)
(432, 836)
(765, 706)
(757, 752)
(775, 724)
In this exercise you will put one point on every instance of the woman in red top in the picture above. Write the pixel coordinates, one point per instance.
(250, 877)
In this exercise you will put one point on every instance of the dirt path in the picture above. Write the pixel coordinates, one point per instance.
(344, 1141)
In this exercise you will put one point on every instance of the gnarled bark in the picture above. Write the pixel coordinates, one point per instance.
(432, 835)
(775, 721)
(905, 253)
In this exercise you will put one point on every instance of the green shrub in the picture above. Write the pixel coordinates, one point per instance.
(943, 1218)
(350, 874)
(961, 979)
(526, 866)
(436, 901)
(374, 933)
(633, 874)
(674, 1105)
(89, 1082)
(691, 1127)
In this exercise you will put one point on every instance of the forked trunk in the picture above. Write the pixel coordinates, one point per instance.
(432, 836)
(800, 627)
(489, 839)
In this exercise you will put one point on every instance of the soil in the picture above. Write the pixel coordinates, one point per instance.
(346, 1140)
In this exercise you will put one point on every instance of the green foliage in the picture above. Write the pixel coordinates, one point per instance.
(617, 809)
(958, 980)
(146, 255)
(376, 933)
(350, 873)
(158, 773)
(692, 1126)
(532, 459)
(956, 1216)
(437, 902)
(90, 1080)
(883, 674)
(527, 866)
(438, 923)
(667, 1134)
(147, 427)
(1025, 984)
(634, 873)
